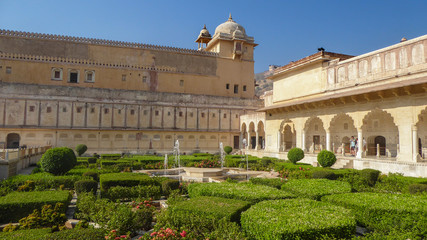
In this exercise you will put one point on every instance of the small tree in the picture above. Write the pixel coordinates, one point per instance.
(326, 158)
(80, 149)
(295, 155)
(228, 149)
(58, 160)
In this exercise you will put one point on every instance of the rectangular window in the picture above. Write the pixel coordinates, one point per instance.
(203, 115)
(156, 113)
(64, 109)
(144, 79)
(8, 70)
(244, 88)
(57, 74)
(32, 108)
(225, 115)
(213, 115)
(236, 88)
(73, 77)
(106, 110)
(169, 113)
(119, 111)
(191, 114)
(237, 115)
(227, 86)
(79, 109)
(92, 110)
(124, 77)
(49, 109)
(180, 114)
(145, 112)
(132, 112)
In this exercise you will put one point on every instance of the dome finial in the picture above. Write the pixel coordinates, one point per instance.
(230, 19)
(204, 26)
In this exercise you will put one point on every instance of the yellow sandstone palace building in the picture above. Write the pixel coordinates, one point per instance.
(120, 96)
(323, 100)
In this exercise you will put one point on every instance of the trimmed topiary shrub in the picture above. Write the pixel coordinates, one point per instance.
(206, 217)
(44, 181)
(242, 191)
(297, 219)
(92, 174)
(327, 174)
(315, 188)
(86, 186)
(295, 155)
(125, 180)
(271, 182)
(129, 193)
(371, 176)
(326, 158)
(80, 149)
(169, 185)
(58, 160)
(17, 205)
(385, 212)
(228, 149)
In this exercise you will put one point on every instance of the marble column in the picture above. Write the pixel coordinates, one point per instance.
(359, 153)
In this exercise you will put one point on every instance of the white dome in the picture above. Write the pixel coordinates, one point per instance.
(230, 27)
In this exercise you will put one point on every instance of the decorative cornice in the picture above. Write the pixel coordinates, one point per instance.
(95, 41)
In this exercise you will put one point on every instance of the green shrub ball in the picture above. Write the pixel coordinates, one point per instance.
(58, 160)
(326, 158)
(295, 155)
(228, 149)
(80, 149)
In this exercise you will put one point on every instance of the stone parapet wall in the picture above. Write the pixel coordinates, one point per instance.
(95, 41)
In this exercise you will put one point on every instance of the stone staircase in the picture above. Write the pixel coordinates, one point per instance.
(343, 163)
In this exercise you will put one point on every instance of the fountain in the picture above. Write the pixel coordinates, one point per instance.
(202, 174)
(177, 158)
(166, 163)
(222, 154)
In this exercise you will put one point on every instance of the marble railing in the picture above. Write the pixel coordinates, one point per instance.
(402, 59)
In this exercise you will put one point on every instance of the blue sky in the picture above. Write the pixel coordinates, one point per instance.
(285, 30)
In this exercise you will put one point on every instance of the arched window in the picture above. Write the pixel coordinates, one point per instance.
(89, 76)
(56, 74)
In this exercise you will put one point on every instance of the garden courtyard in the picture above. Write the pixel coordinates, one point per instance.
(207, 196)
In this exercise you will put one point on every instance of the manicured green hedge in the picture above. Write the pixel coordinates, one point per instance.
(89, 159)
(125, 180)
(33, 234)
(297, 219)
(82, 162)
(87, 185)
(282, 165)
(315, 188)
(210, 207)
(130, 193)
(80, 234)
(17, 205)
(169, 185)
(44, 180)
(385, 211)
(45, 234)
(105, 163)
(242, 191)
(272, 182)
(111, 156)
